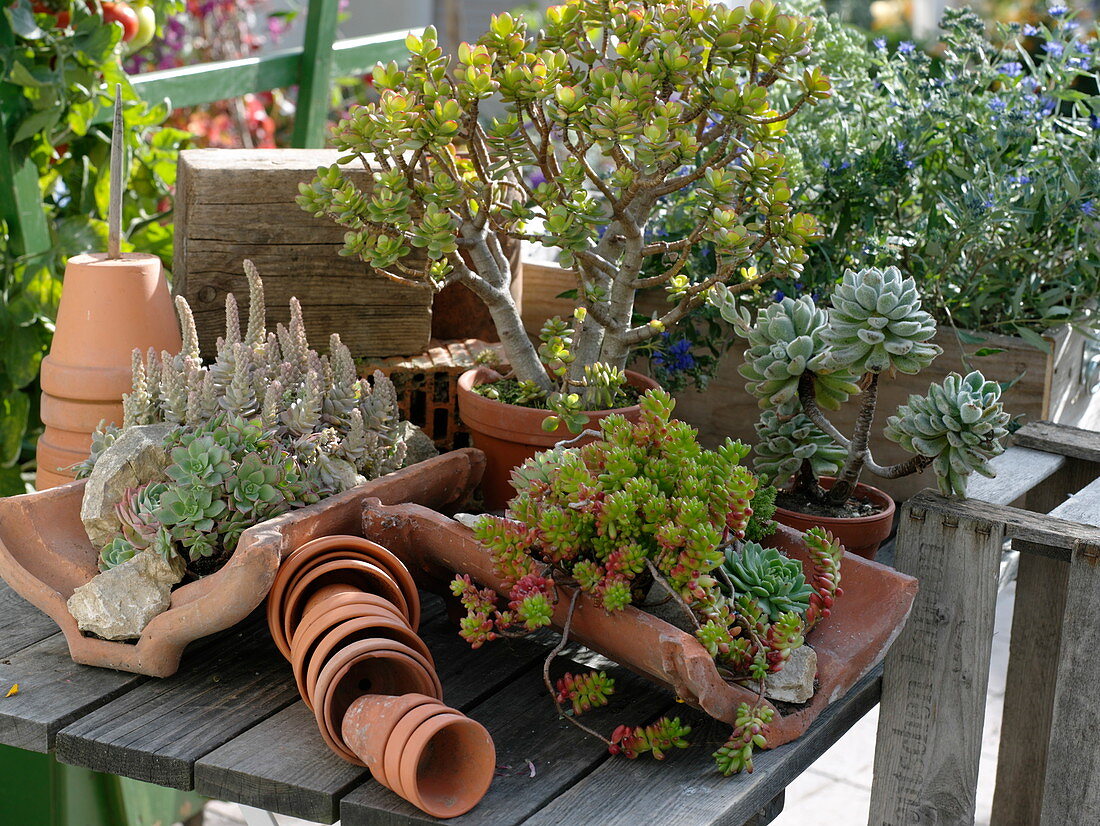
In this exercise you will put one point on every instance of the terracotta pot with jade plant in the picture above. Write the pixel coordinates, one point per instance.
(604, 112)
(111, 303)
(803, 360)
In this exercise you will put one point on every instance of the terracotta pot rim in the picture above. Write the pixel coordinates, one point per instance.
(466, 796)
(870, 493)
(294, 605)
(309, 641)
(399, 738)
(372, 737)
(328, 643)
(94, 258)
(487, 375)
(328, 681)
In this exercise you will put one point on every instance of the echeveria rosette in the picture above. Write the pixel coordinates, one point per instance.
(774, 581)
(959, 424)
(785, 443)
(200, 461)
(876, 324)
(252, 486)
(786, 341)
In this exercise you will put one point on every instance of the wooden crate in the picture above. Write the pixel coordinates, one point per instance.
(235, 204)
(1051, 386)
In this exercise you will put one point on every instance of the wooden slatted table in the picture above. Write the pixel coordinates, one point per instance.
(231, 726)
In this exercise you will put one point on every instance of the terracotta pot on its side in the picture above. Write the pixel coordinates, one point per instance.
(108, 308)
(860, 535)
(510, 435)
(433, 756)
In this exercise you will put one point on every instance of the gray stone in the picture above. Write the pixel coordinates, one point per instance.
(469, 520)
(117, 604)
(418, 445)
(794, 683)
(137, 456)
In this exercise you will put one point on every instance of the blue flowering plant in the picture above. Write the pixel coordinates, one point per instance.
(607, 109)
(803, 360)
(976, 172)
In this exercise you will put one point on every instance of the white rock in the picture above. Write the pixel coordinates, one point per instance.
(119, 603)
(469, 520)
(418, 445)
(137, 456)
(794, 683)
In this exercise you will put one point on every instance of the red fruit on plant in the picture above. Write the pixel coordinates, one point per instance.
(147, 28)
(62, 16)
(123, 14)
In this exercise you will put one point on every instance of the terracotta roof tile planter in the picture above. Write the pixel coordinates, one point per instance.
(509, 434)
(854, 638)
(45, 554)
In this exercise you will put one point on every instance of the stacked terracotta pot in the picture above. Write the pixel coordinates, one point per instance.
(345, 611)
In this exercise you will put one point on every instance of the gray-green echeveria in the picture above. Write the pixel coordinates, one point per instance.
(783, 444)
(786, 341)
(959, 425)
(876, 324)
(775, 582)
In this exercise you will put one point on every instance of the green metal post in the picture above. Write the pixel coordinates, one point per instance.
(316, 74)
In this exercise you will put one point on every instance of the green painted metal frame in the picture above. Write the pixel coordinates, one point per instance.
(35, 788)
(311, 67)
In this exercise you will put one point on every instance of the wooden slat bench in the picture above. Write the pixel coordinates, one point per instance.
(231, 726)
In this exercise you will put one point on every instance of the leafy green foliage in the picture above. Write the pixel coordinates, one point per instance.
(974, 171)
(56, 83)
(760, 525)
(735, 755)
(607, 109)
(646, 505)
(959, 424)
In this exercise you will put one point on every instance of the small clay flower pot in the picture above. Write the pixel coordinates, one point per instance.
(369, 721)
(109, 307)
(860, 535)
(509, 434)
(447, 765)
(325, 549)
(399, 738)
(366, 667)
(313, 649)
(352, 573)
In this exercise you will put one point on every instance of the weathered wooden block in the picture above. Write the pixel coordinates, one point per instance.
(233, 204)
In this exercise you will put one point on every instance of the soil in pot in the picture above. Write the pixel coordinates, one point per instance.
(860, 533)
(510, 434)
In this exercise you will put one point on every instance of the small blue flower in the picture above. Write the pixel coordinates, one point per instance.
(1082, 48)
(997, 105)
(1031, 31)
(676, 357)
(988, 203)
(779, 295)
(1089, 208)
(1054, 48)
(880, 43)
(1021, 180)
(1094, 121)
(825, 164)
(845, 164)
(906, 47)
(910, 164)
(1013, 69)
(1081, 63)
(1047, 107)
(1058, 11)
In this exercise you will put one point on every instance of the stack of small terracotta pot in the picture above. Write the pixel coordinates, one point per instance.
(344, 611)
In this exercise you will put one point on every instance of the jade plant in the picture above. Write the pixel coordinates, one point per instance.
(603, 113)
(646, 511)
(269, 425)
(803, 360)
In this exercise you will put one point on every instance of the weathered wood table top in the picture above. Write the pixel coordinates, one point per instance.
(231, 725)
